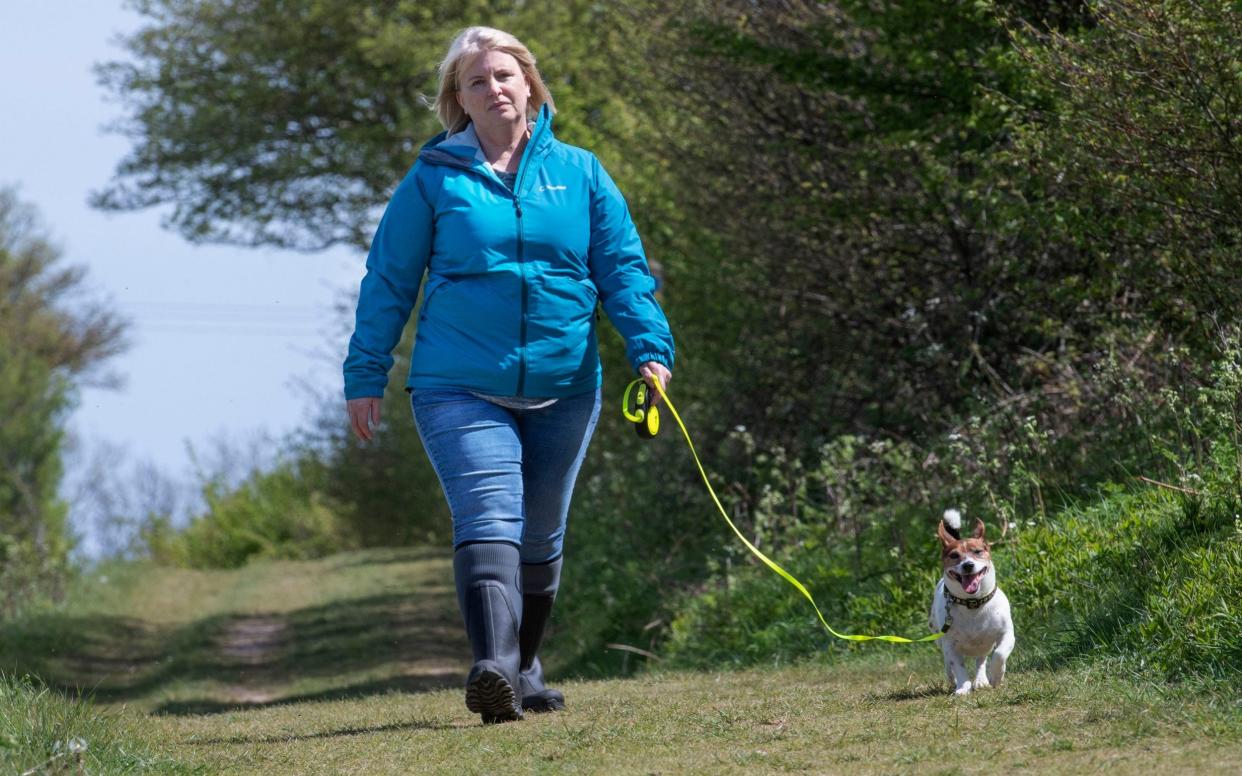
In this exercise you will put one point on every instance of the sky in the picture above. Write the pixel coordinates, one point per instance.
(224, 340)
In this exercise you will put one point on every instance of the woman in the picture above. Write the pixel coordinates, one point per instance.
(519, 236)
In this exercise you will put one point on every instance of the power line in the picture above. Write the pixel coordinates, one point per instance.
(231, 318)
(237, 331)
(225, 309)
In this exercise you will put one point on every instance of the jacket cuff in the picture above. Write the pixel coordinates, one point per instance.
(663, 358)
(364, 391)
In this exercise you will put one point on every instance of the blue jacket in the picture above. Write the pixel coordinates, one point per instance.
(512, 277)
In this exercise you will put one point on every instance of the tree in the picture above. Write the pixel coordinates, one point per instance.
(51, 339)
(874, 270)
(1143, 154)
(269, 122)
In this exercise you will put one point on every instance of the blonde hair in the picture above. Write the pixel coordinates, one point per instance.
(468, 44)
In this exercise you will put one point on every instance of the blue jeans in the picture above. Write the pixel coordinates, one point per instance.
(507, 475)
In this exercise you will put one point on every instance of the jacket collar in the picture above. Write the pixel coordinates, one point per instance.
(462, 149)
(464, 144)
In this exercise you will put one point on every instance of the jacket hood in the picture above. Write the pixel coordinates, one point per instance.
(463, 149)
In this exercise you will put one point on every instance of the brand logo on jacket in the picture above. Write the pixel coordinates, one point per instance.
(542, 189)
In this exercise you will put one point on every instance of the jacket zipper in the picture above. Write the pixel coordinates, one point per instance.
(445, 158)
(521, 259)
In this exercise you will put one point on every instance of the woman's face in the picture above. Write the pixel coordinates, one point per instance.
(493, 89)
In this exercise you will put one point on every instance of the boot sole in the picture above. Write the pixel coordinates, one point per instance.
(490, 695)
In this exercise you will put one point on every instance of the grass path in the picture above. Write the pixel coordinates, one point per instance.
(175, 641)
(352, 664)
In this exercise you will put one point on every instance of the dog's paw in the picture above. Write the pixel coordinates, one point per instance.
(981, 684)
(963, 690)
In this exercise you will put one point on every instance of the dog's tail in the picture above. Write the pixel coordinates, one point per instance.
(953, 523)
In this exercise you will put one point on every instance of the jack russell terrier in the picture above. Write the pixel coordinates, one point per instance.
(970, 609)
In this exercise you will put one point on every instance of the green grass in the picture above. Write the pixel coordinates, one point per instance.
(353, 663)
(879, 715)
(44, 731)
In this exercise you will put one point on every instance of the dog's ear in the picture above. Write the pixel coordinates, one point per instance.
(946, 538)
(978, 534)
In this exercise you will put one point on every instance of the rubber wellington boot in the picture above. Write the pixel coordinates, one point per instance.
(487, 592)
(539, 585)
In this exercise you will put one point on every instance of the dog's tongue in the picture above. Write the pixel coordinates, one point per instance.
(971, 582)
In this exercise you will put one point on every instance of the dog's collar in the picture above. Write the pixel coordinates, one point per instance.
(969, 603)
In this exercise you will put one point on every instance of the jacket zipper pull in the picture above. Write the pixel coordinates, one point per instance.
(517, 206)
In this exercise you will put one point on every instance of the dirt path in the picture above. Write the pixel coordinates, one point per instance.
(253, 643)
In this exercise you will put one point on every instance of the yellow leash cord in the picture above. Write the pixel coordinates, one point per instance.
(642, 414)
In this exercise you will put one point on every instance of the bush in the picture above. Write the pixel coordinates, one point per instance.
(275, 514)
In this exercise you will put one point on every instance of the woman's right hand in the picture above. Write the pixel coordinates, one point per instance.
(364, 416)
(655, 372)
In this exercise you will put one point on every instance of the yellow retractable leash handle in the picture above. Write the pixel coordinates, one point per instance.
(642, 414)
(636, 406)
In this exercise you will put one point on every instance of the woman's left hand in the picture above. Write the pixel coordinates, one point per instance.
(652, 371)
